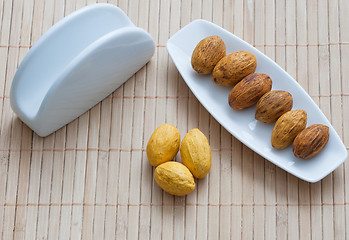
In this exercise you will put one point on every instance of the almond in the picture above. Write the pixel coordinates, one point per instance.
(174, 178)
(196, 153)
(311, 141)
(207, 54)
(272, 105)
(163, 144)
(232, 68)
(249, 90)
(287, 127)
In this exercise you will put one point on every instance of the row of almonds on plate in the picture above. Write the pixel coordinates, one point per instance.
(237, 70)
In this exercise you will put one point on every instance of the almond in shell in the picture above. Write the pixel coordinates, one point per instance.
(163, 144)
(249, 90)
(196, 153)
(207, 54)
(232, 68)
(287, 127)
(174, 178)
(272, 105)
(311, 141)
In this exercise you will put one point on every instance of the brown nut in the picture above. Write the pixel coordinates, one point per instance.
(232, 68)
(287, 127)
(249, 90)
(207, 54)
(272, 105)
(174, 178)
(311, 141)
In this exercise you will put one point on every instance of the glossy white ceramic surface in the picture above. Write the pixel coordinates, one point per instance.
(77, 63)
(242, 124)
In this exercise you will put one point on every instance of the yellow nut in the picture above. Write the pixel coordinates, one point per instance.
(163, 144)
(196, 153)
(174, 178)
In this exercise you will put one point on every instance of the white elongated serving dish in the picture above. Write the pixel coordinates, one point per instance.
(77, 63)
(242, 124)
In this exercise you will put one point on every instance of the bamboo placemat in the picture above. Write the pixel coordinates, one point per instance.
(91, 179)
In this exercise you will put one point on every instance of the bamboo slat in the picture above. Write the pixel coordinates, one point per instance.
(344, 50)
(313, 89)
(269, 168)
(258, 162)
(91, 179)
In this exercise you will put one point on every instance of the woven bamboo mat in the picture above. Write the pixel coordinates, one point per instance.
(91, 179)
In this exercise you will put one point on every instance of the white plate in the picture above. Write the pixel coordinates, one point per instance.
(242, 124)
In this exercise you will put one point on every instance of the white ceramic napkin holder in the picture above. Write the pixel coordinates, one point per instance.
(76, 64)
